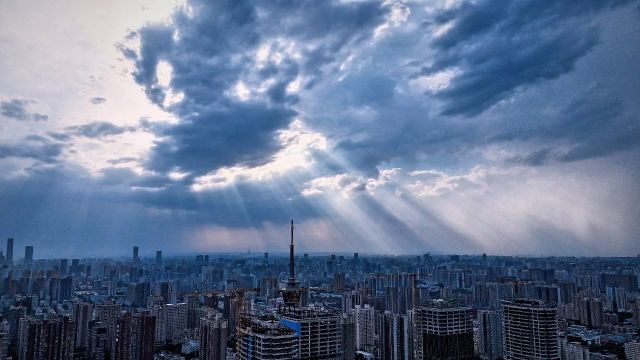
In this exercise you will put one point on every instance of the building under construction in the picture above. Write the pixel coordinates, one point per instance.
(443, 330)
(265, 338)
(318, 331)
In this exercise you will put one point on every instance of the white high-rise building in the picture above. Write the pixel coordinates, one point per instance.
(530, 331)
(365, 317)
(443, 330)
(632, 350)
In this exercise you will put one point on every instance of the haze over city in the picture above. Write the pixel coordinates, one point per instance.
(450, 127)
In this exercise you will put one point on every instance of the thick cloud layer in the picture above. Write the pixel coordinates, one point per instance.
(450, 126)
(214, 50)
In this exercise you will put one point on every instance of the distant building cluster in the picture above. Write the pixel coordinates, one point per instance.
(214, 307)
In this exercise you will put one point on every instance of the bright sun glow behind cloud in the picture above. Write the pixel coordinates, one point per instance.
(297, 143)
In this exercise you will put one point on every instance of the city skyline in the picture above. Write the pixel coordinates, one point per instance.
(320, 307)
(381, 127)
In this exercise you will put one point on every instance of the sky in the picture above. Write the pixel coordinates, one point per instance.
(383, 127)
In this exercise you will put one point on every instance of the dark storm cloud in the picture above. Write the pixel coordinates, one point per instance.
(33, 147)
(513, 54)
(98, 100)
(207, 142)
(98, 129)
(499, 47)
(212, 46)
(593, 124)
(18, 109)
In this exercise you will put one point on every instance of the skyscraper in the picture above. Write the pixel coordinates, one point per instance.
(109, 315)
(396, 337)
(135, 255)
(213, 337)
(443, 330)
(99, 343)
(365, 317)
(75, 266)
(193, 304)
(530, 330)
(82, 316)
(28, 254)
(400, 291)
(9, 257)
(339, 282)
(66, 288)
(176, 316)
(64, 266)
(45, 338)
(348, 336)
(167, 289)
(139, 293)
(490, 334)
(159, 258)
(136, 336)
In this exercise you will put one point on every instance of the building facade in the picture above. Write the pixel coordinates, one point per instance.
(530, 331)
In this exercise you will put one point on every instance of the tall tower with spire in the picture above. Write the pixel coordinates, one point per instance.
(292, 283)
(292, 293)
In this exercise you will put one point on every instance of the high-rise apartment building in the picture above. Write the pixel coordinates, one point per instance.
(4, 345)
(176, 316)
(213, 337)
(632, 350)
(109, 315)
(396, 337)
(82, 316)
(193, 304)
(443, 330)
(591, 311)
(348, 336)
(167, 289)
(138, 293)
(99, 343)
(365, 317)
(490, 334)
(45, 338)
(400, 292)
(530, 330)
(171, 322)
(66, 288)
(339, 283)
(136, 336)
